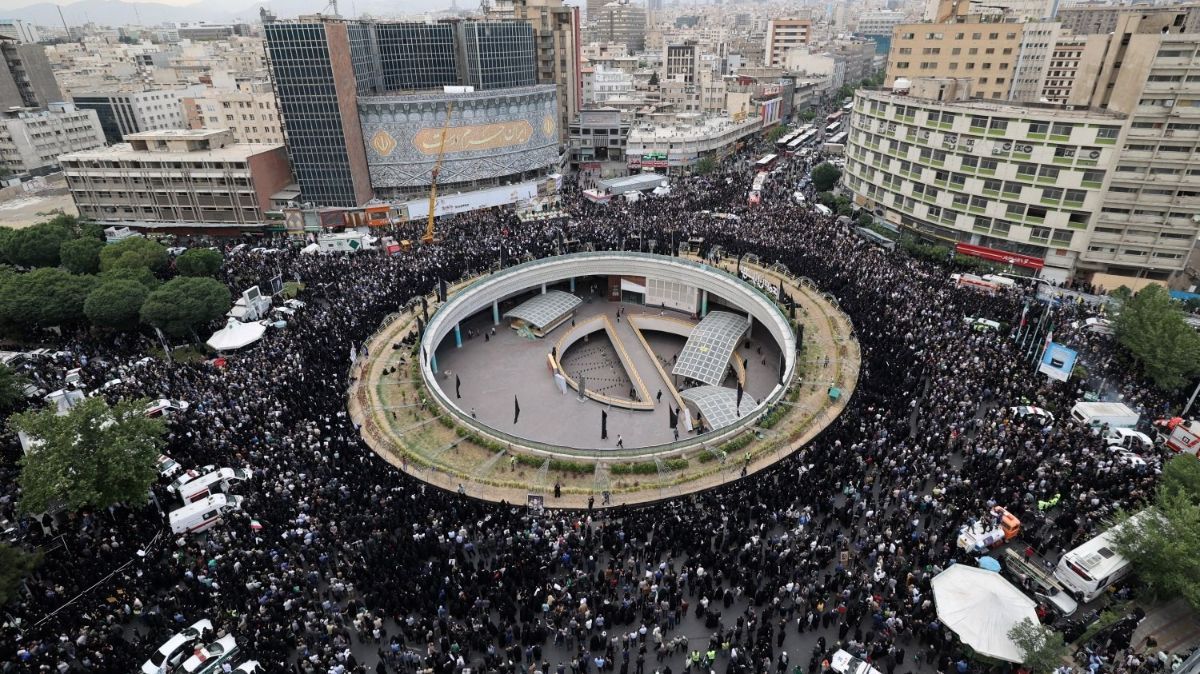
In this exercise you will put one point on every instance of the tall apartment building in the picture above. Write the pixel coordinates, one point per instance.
(784, 35)
(325, 70)
(1102, 19)
(32, 140)
(197, 178)
(250, 114)
(986, 52)
(1023, 180)
(26, 79)
(618, 22)
(557, 37)
(1034, 56)
(681, 62)
(880, 22)
(126, 112)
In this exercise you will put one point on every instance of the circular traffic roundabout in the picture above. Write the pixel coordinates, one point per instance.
(604, 378)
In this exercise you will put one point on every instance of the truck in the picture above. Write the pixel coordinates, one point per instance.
(999, 527)
(218, 481)
(1090, 569)
(1180, 436)
(346, 242)
(202, 515)
(1034, 579)
(1113, 415)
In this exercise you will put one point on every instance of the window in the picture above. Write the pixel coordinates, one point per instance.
(1062, 237)
(1075, 196)
(998, 125)
(905, 51)
(1039, 127)
(1048, 172)
(955, 52)
(1052, 193)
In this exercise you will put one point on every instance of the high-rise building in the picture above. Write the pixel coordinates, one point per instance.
(341, 85)
(986, 52)
(1022, 182)
(619, 22)
(26, 79)
(125, 112)
(879, 22)
(32, 140)
(250, 114)
(19, 30)
(556, 33)
(784, 35)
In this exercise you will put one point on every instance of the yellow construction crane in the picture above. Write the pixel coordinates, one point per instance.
(428, 236)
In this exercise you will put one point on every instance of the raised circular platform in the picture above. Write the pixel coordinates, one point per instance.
(412, 412)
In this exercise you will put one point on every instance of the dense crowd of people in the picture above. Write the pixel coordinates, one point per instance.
(340, 563)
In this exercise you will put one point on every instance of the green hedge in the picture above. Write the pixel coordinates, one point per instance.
(647, 467)
(774, 416)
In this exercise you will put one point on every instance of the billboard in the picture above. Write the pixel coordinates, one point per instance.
(1057, 362)
(472, 201)
(490, 134)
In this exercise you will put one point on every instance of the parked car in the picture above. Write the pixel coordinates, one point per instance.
(166, 407)
(171, 653)
(210, 657)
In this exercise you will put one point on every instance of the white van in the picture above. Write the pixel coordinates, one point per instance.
(1002, 281)
(1128, 438)
(1090, 569)
(1115, 415)
(194, 518)
(216, 482)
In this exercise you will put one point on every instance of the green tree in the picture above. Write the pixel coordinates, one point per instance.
(134, 252)
(865, 219)
(44, 298)
(808, 115)
(1043, 647)
(186, 303)
(93, 456)
(15, 565)
(1164, 547)
(116, 304)
(199, 262)
(81, 256)
(825, 176)
(1153, 330)
(140, 274)
(705, 165)
(776, 132)
(37, 246)
(653, 79)
(12, 388)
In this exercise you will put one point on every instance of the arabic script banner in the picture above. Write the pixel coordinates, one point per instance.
(477, 137)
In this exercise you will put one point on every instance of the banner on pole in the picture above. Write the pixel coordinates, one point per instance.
(1057, 362)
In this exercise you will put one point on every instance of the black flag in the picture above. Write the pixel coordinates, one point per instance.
(739, 264)
(441, 290)
(780, 294)
(603, 425)
(516, 410)
(781, 368)
(422, 353)
(799, 337)
(420, 327)
(457, 387)
(673, 417)
(739, 398)
(425, 308)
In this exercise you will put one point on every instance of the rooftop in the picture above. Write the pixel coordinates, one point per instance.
(1015, 108)
(125, 151)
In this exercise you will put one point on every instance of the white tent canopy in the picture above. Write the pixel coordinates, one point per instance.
(981, 607)
(236, 335)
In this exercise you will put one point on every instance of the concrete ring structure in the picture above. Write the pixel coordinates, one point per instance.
(410, 417)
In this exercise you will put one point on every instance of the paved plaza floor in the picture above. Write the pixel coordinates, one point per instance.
(493, 371)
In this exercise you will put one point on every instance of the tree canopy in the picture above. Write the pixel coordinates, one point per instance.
(199, 262)
(1152, 328)
(116, 304)
(825, 176)
(186, 303)
(36, 246)
(12, 388)
(93, 456)
(43, 298)
(1043, 647)
(81, 256)
(134, 252)
(1165, 547)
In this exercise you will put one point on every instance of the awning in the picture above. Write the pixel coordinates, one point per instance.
(997, 255)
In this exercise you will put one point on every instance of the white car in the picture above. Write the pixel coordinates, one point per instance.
(176, 251)
(248, 667)
(1124, 456)
(1041, 415)
(167, 466)
(166, 407)
(1129, 439)
(188, 476)
(210, 657)
(173, 651)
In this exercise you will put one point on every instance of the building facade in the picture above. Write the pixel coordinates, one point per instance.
(1023, 179)
(26, 79)
(784, 35)
(619, 22)
(178, 178)
(598, 140)
(985, 52)
(251, 115)
(324, 70)
(681, 145)
(129, 112)
(557, 35)
(32, 140)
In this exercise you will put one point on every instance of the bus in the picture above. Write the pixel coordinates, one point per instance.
(835, 117)
(833, 128)
(783, 142)
(766, 163)
(838, 138)
(848, 107)
(794, 146)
